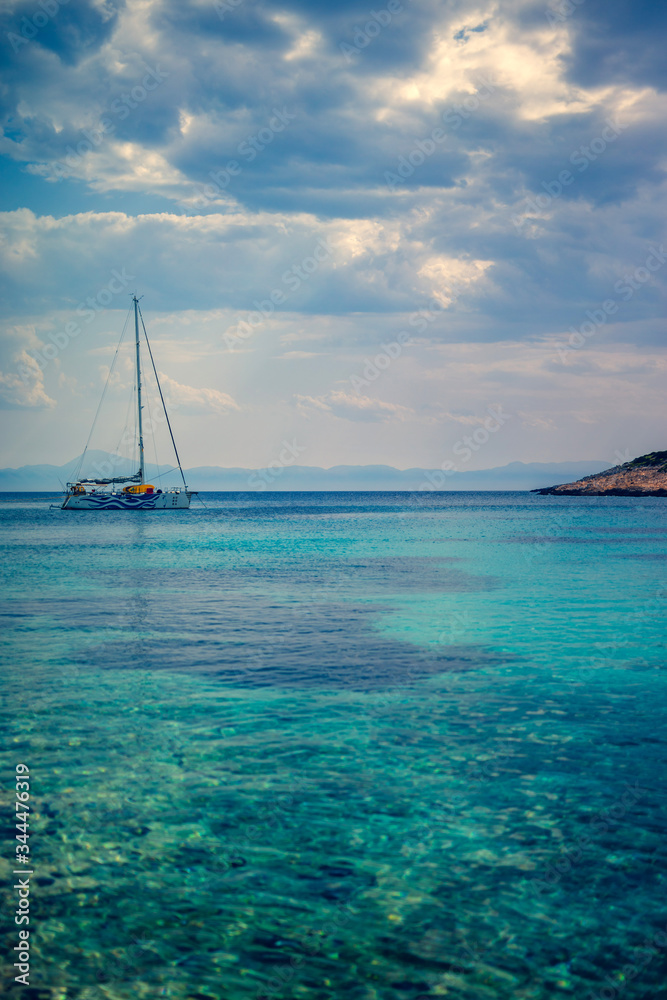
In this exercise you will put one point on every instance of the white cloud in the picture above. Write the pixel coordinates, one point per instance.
(209, 261)
(348, 406)
(24, 388)
(120, 166)
(196, 402)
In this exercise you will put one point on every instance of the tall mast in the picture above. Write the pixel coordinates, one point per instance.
(139, 424)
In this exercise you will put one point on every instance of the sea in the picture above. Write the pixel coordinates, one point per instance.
(337, 746)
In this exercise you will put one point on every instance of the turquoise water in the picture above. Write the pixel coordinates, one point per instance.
(340, 745)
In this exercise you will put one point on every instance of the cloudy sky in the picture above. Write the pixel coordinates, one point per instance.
(359, 228)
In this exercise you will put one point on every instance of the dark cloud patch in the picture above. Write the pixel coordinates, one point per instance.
(399, 46)
(246, 23)
(346, 170)
(72, 33)
(394, 39)
(606, 157)
(620, 41)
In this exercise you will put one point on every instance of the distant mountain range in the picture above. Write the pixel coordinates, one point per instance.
(515, 476)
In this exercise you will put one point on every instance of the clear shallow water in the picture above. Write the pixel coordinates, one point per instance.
(341, 745)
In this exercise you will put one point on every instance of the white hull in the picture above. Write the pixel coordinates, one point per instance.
(125, 501)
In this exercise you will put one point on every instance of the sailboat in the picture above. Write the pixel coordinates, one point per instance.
(109, 494)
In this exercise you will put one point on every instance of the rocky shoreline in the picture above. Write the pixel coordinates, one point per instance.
(645, 476)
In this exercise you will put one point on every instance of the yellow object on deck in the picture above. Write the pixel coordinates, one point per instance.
(144, 488)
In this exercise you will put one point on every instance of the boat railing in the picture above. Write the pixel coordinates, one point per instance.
(85, 488)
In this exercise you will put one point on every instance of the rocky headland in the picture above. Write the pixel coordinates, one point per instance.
(645, 476)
